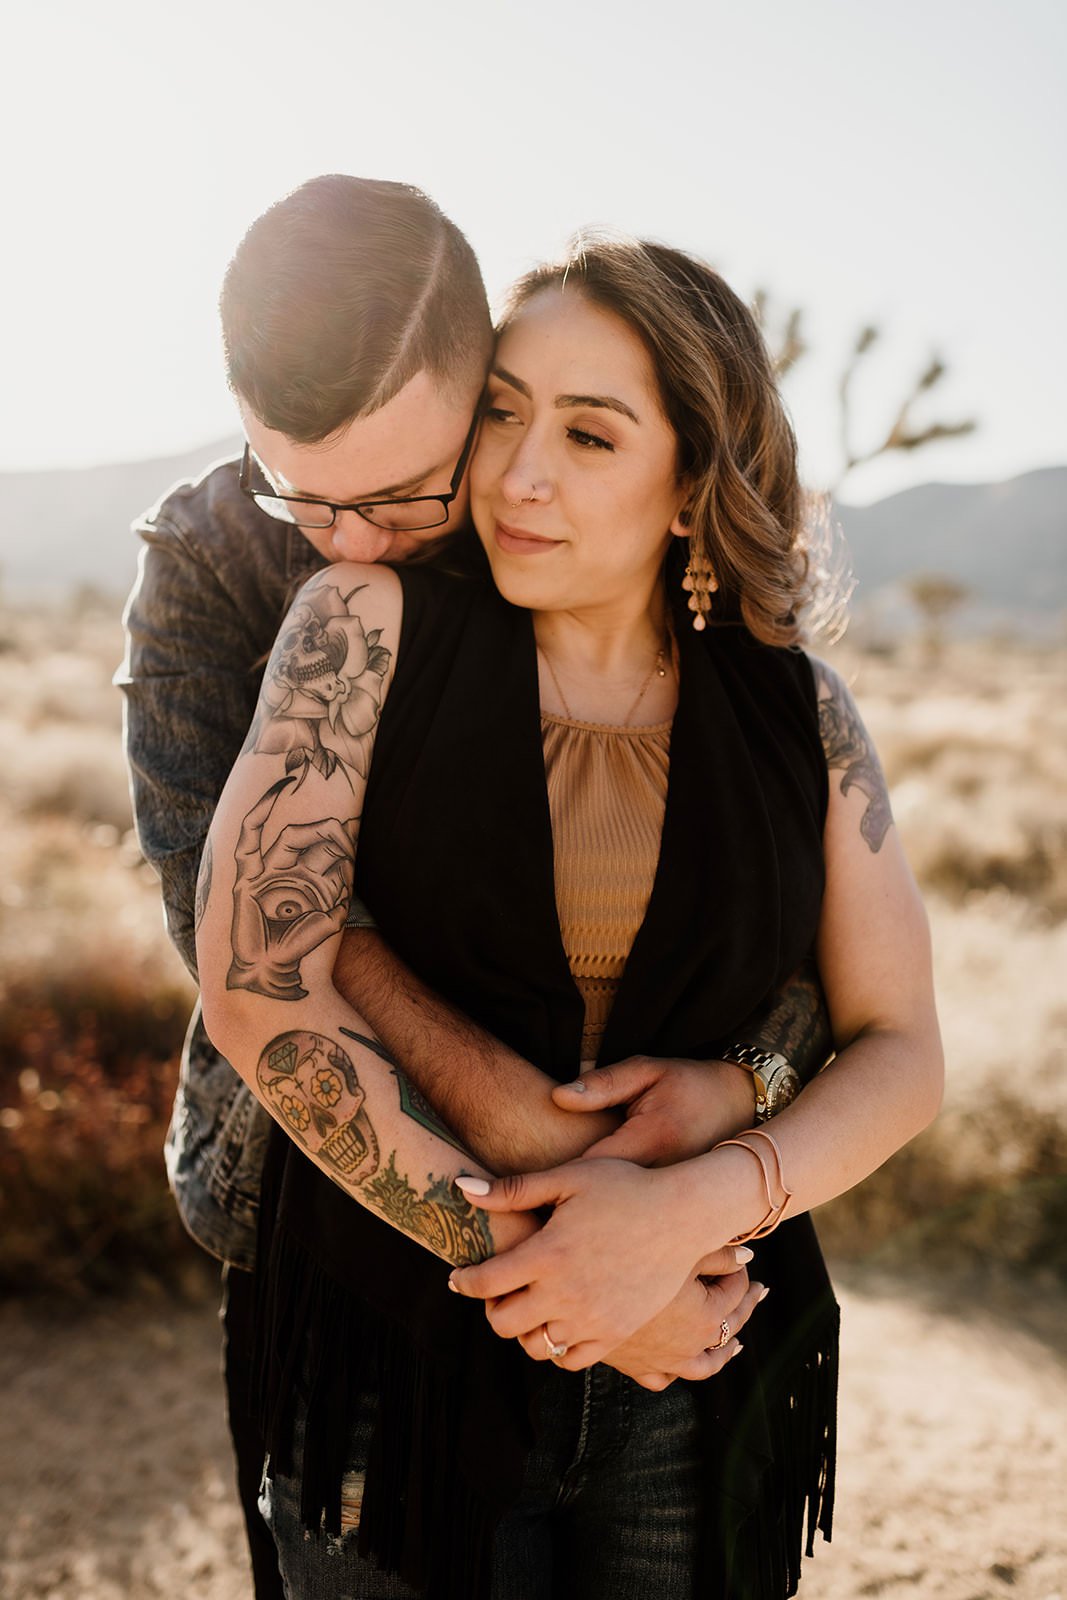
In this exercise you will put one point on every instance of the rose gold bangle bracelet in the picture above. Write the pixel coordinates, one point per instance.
(774, 1210)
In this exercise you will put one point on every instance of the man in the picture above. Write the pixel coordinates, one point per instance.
(357, 337)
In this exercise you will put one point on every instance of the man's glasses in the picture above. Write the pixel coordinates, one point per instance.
(408, 514)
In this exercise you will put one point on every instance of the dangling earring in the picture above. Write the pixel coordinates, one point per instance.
(699, 583)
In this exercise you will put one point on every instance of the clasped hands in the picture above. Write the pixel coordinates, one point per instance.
(620, 1272)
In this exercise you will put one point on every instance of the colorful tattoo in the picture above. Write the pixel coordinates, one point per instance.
(311, 1086)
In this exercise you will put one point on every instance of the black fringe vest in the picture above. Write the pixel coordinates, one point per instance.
(455, 860)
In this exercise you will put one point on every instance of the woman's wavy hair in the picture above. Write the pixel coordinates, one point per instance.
(747, 511)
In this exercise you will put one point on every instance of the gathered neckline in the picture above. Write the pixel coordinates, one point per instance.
(608, 727)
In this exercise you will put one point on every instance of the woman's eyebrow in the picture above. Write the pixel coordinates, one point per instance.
(605, 402)
(512, 382)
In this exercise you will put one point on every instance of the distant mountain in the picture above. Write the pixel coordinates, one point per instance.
(1007, 542)
(72, 527)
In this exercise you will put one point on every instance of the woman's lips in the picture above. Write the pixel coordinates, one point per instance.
(517, 542)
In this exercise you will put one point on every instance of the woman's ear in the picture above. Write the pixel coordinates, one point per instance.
(683, 517)
(680, 525)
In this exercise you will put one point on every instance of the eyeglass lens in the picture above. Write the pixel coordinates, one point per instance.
(309, 514)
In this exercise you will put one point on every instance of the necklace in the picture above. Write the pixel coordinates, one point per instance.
(658, 669)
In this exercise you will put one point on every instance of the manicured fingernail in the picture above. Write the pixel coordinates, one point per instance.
(743, 1255)
(578, 1085)
(764, 1292)
(452, 1286)
(736, 1352)
(472, 1185)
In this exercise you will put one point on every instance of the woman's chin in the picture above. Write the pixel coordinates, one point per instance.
(521, 591)
(517, 583)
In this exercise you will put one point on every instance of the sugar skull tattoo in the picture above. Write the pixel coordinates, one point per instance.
(310, 1084)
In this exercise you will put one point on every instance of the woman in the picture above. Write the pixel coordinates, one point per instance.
(635, 472)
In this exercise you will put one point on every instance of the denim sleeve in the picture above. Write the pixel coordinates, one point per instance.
(190, 678)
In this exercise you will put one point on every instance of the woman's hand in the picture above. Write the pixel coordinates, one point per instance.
(674, 1109)
(686, 1339)
(619, 1246)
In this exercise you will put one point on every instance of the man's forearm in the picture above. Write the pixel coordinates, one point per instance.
(794, 1022)
(495, 1101)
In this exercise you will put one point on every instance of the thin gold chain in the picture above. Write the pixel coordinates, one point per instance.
(657, 666)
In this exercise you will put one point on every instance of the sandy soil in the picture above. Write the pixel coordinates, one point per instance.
(115, 1475)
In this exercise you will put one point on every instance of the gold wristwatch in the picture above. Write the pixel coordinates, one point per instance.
(776, 1081)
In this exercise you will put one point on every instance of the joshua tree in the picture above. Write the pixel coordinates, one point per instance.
(902, 433)
(935, 597)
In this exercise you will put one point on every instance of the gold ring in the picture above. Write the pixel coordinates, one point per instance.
(554, 1350)
(724, 1336)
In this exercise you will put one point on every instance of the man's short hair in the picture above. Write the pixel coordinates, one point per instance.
(338, 295)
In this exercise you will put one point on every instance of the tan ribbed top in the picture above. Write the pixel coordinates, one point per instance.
(607, 789)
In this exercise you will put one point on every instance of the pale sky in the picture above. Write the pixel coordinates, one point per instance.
(902, 164)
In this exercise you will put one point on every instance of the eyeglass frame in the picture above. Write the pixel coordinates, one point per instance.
(443, 500)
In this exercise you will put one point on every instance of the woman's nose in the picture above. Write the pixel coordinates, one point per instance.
(526, 476)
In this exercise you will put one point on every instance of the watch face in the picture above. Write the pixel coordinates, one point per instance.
(783, 1088)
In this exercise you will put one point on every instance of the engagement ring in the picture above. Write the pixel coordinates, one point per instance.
(554, 1350)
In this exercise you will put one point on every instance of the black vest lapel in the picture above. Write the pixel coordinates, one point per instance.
(707, 951)
(455, 853)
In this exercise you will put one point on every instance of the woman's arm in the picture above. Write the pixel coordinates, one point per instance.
(883, 1087)
(274, 894)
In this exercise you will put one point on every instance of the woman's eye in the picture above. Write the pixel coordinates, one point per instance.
(498, 414)
(589, 441)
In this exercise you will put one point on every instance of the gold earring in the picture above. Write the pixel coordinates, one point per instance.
(699, 583)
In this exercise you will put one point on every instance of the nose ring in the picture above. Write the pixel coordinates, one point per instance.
(515, 504)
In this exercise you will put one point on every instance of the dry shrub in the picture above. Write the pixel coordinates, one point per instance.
(984, 1187)
(57, 665)
(62, 716)
(976, 758)
(93, 1000)
(66, 771)
(980, 817)
(86, 1083)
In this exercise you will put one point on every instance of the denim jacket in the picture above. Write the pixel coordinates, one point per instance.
(215, 578)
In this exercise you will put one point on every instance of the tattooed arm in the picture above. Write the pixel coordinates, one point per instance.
(849, 751)
(794, 1023)
(273, 898)
(500, 1102)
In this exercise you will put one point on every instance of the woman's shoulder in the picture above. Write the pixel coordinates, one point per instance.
(791, 667)
(339, 584)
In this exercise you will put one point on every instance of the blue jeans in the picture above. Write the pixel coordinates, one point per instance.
(608, 1508)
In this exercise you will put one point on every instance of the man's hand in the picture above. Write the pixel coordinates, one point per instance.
(674, 1109)
(686, 1339)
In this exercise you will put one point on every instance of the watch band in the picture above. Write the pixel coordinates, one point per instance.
(771, 1074)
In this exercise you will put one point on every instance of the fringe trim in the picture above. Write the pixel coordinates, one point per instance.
(770, 1428)
(783, 1451)
(418, 1518)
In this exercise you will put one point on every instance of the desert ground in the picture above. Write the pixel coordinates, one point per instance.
(115, 1474)
(951, 1262)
